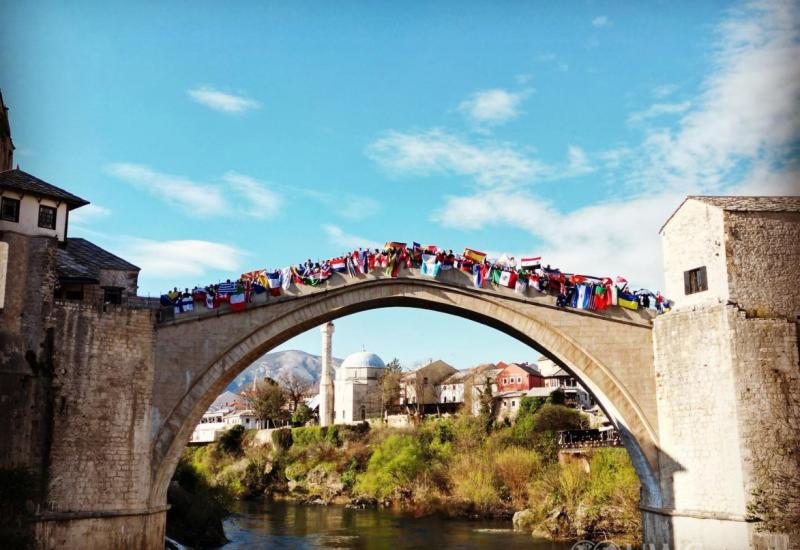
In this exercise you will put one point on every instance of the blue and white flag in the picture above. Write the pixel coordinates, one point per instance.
(429, 266)
(226, 288)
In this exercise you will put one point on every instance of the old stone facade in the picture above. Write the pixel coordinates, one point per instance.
(728, 355)
(76, 384)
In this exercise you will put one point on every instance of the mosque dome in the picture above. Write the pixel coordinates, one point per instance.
(362, 359)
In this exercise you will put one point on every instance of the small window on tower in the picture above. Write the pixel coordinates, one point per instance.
(695, 280)
(47, 217)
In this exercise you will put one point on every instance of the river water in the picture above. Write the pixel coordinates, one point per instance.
(290, 525)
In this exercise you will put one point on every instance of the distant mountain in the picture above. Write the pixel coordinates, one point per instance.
(301, 364)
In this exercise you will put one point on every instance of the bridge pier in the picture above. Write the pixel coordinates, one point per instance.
(143, 529)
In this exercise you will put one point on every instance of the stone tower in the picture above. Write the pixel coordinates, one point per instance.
(325, 379)
(6, 145)
(728, 372)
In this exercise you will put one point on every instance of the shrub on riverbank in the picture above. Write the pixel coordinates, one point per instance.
(448, 466)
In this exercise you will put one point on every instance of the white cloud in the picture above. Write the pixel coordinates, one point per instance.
(262, 202)
(199, 199)
(492, 106)
(181, 258)
(437, 152)
(612, 237)
(222, 101)
(578, 162)
(203, 199)
(347, 241)
(89, 214)
(664, 90)
(601, 21)
(657, 110)
(747, 112)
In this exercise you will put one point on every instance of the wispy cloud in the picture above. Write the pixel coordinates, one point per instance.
(601, 21)
(490, 164)
(203, 199)
(89, 214)
(552, 59)
(657, 110)
(664, 90)
(222, 101)
(195, 198)
(260, 201)
(612, 236)
(437, 152)
(746, 114)
(336, 235)
(181, 258)
(493, 107)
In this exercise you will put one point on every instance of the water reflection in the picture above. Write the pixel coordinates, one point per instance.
(289, 525)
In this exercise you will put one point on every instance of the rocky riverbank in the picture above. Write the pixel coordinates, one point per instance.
(456, 467)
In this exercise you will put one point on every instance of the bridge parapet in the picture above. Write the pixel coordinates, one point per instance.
(447, 279)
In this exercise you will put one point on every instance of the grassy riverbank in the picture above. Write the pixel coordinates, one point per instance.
(460, 467)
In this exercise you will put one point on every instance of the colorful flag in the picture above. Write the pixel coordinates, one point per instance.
(474, 255)
(627, 300)
(275, 280)
(199, 293)
(429, 266)
(507, 279)
(259, 276)
(395, 245)
(338, 265)
(286, 278)
(226, 288)
(211, 303)
(621, 279)
(238, 300)
(479, 275)
(530, 263)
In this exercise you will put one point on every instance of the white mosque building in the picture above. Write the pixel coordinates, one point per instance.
(354, 394)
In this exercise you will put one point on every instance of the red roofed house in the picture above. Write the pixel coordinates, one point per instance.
(519, 377)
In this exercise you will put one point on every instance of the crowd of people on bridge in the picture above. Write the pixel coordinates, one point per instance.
(520, 274)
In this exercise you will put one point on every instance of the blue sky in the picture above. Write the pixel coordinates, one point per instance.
(213, 139)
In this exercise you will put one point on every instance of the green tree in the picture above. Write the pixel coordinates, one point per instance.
(301, 414)
(488, 405)
(268, 402)
(230, 442)
(390, 384)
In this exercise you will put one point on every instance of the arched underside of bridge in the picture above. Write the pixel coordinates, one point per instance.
(196, 358)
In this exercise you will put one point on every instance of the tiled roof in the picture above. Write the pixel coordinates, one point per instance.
(752, 204)
(457, 377)
(744, 204)
(81, 259)
(17, 180)
(530, 369)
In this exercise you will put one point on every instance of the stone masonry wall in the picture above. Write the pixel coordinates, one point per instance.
(767, 371)
(24, 384)
(763, 262)
(103, 380)
(700, 464)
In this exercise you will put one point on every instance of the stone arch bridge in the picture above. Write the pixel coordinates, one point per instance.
(199, 353)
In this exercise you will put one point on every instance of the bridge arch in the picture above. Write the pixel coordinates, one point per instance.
(206, 352)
